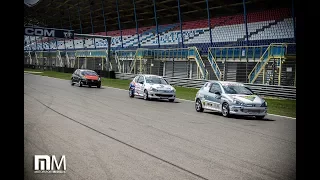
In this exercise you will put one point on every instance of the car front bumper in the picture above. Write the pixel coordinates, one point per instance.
(91, 82)
(161, 95)
(248, 111)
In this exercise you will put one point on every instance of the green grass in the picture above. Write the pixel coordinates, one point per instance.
(283, 107)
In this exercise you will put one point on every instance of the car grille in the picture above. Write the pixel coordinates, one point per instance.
(252, 105)
(164, 91)
(252, 110)
(163, 95)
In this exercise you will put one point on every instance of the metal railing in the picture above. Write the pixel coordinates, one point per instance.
(214, 65)
(274, 51)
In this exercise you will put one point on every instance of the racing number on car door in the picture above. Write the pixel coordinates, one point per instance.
(215, 96)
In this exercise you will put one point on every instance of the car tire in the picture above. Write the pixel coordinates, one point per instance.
(260, 117)
(146, 95)
(72, 83)
(198, 106)
(131, 93)
(99, 86)
(171, 100)
(225, 110)
(89, 86)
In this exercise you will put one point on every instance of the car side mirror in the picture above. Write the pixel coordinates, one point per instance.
(141, 82)
(218, 93)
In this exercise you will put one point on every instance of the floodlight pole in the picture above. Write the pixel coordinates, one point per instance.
(180, 23)
(209, 24)
(245, 21)
(135, 18)
(104, 18)
(92, 31)
(119, 23)
(80, 23)
(294, 22)
(64, 40)
(71, 28)
(156, 20)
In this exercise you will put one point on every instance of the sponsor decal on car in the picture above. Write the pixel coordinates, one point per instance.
(251, 97)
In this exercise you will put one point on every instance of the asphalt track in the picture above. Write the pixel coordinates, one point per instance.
(105, 135)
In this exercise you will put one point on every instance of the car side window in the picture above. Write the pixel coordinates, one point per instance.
(215, 88)
(141, 79)
(136, 79)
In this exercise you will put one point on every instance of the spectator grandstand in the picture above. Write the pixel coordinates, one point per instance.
(226, 55)
(264, 27)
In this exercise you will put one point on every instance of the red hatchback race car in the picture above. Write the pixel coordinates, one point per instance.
(85, 77)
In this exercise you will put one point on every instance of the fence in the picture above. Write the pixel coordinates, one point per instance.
(266, 90)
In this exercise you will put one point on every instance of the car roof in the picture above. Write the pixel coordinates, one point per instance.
(85, 70)
(227, 83)
(149, 75)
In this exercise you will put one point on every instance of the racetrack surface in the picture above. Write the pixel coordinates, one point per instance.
(104, 134)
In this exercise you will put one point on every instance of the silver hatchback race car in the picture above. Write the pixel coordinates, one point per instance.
(151, 87)
(230, 98)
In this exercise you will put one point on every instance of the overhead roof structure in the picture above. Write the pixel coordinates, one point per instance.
(65, 13)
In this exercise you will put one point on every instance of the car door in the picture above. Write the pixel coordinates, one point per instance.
(134, 83)
(74, 76)
(214, 97)
(139, 85)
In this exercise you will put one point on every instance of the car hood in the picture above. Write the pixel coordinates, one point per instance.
(160, 86)
(91, 77)
(247, 99)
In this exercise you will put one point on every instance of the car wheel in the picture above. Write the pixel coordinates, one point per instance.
(198, 106)
(225, 110)
(89, 86)
(131, 93)
(145, 95)
(72, 83)
(171, 100)
(260, 117)
(80, 84)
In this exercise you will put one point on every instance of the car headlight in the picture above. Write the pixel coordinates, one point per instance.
(99, 79)
(238, 103)
(264, 104)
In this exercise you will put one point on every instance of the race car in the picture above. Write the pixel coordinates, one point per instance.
(151, 87)
(230, 98)
(85, 77)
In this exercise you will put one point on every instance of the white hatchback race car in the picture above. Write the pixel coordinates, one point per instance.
(151, 87)
(230, 98)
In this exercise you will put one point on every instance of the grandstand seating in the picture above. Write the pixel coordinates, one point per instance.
(264, 27)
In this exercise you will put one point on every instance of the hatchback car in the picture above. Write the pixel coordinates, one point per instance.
(230, 98)
(85, 77)
(151, 87)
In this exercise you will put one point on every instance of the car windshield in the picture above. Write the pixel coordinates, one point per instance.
(156, 80)
(88, 73)
(236, 89)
